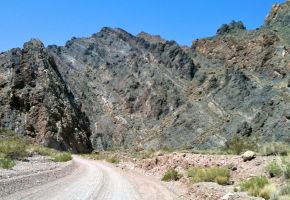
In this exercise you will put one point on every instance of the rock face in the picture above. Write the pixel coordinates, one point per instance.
(128, 86)
(279, 15)
(35, 100)
(142, 91)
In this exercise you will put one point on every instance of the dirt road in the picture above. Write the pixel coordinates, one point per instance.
(99, 181)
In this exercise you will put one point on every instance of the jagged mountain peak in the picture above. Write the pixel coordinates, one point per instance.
(116, 32)
(233, 26)
(279, 15)
(117, 90)
(33, 44)
(151, 38)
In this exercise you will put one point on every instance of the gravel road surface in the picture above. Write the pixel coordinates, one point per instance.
(99, 181)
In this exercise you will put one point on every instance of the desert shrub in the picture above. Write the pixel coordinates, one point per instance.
(268, 192)
(171, 175)
(237, 145)
(62, 157)
(212, 151)
(220, 175)
(13, 148)
(274, 169)
(44, 151)
(6, 163)
(254, 182)
(222, 180)
(6, 133)
(12, 145)
(148, 153)
(284, 163)
(143, 154)
(166, 149)
(256, 186)
(55, 155)
(279, 167)
(285, 190)
(286, 171)
(113, 159)
(283, 197)
(275, 148)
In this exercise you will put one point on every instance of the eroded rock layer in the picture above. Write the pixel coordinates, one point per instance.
(114, 89)
(35, 100)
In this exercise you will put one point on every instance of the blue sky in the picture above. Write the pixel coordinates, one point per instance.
(56, 21)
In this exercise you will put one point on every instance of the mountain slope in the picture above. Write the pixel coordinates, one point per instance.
(35, 100)
(125, 84)
(145, 92)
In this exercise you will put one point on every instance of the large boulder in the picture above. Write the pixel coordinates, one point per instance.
(248, 155)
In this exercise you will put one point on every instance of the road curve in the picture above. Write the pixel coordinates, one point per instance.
(96, 180)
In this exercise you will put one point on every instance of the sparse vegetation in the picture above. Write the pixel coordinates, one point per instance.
(6, 163)
(285, 190)
(269, 192)
(148, 153)
(258, 186)
(166, 150)
(12, 146)
(44, 151)
(213, 151)
(237, 145)
(220, 175)
(142, 154)
(274, 169)
(279, 167)
(94, 156)
(107, 156)
(62, 157)
(55, 155)
(16, 147)
(285, 165)
(113, 159)
(171, 175)
(275, 148)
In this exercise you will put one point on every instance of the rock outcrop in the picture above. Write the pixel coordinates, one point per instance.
(234, 26)
(127, 85)
(114, 89)
(35, 100)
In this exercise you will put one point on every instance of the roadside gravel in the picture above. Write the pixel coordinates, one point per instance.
(34, 171)
(157, 165)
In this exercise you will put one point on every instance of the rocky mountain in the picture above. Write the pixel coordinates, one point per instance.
(35, 100)
(117, 90)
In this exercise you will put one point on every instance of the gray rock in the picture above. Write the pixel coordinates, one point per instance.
(248, 155)
(35, 100)
(234, 26)
(227, 196)
(117, 90)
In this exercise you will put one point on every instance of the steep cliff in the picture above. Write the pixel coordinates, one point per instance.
(35, 100)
